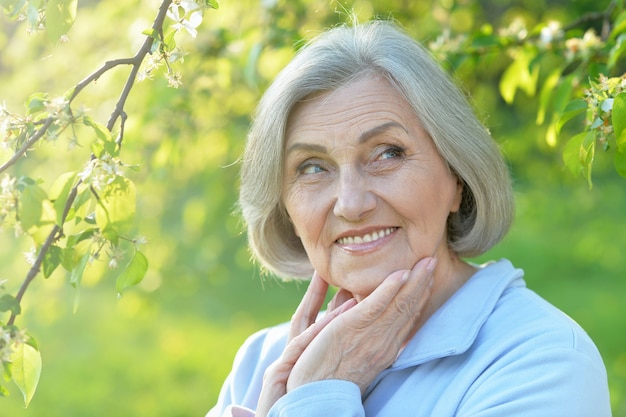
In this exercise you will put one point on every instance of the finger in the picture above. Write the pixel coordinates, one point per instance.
(309, 307)
(299, 343)
(375, 304)
(339, 298)
(402, 294)
(277, 374)
(420, 280)
(408, 304)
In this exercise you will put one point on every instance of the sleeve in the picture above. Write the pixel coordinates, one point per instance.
(547, 383)
(240, 392)
(323, 398)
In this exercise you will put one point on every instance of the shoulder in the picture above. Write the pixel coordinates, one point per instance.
(522, 315)
(245, 380)
(532, 356)
(526, 317)
(261, 349)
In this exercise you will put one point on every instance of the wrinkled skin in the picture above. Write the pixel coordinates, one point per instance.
(369, 196)
(353, 342)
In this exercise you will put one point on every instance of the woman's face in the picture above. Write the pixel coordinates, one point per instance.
(366, 190)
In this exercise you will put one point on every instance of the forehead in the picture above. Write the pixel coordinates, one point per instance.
(359, 105)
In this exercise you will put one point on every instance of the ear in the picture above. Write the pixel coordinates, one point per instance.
(293, 226)
(458, 195)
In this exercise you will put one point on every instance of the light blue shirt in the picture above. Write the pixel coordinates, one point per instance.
(494, 349)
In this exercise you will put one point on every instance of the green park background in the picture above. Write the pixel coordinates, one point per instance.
(165, 347)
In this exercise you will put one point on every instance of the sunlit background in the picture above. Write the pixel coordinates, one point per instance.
(165, 347)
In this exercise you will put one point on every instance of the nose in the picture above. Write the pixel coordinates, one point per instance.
(354, 198)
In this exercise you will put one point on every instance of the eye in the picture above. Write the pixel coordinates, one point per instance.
(309, 167)
(392, 152)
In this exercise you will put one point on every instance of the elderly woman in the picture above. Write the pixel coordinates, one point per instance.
(366, 170)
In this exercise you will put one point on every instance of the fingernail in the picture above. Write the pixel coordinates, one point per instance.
(349, 304)
(405, 276)
(430, 266)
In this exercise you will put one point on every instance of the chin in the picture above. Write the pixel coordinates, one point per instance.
(362, 284)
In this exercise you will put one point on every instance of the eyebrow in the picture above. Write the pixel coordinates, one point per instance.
(363, 137)
(375, 131)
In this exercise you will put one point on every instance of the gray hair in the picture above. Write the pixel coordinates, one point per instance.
(331, 60)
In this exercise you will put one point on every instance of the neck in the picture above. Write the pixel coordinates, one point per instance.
(449, 276)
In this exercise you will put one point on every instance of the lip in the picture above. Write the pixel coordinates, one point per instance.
(363, 246)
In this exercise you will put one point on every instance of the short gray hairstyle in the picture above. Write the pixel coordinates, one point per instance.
(331, 60)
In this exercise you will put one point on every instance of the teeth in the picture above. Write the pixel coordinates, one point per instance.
(367, 238)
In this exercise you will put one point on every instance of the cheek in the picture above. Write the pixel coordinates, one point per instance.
(305, 214)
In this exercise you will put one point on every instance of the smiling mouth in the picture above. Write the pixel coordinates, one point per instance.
(366, 238)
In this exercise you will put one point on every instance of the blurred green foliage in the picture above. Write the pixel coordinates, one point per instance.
(165, 347)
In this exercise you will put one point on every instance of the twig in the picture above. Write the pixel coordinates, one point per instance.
(138, 59)
(54, 235)
(30, 142)
(604, 16)
(135, 61)
(57, 230)
(109, 65)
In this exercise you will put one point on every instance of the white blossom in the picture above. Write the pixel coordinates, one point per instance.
(30, 256)
(190, 8)
(551, 32)
(607, 105)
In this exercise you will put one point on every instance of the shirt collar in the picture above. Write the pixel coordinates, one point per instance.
(452, 329)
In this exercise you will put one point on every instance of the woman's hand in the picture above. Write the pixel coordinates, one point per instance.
(364, 340)
(303, 330)
(351, 342)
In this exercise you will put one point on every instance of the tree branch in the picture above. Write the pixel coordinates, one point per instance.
(54, 235)
(96, 74)
(30, 142)
(57, 230)
(135, 61)
(145, 49)
(604, 16)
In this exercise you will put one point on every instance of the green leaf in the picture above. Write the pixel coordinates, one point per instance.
(30, 206)
(619, 26)
(152, 33)
(618, 118)
(587, 155)
(250, 71)
(6, 371)
(104, 142)
(213, 4)
(10, 303)
(547, 91)
(115, 211)
(564, 92)
(617, 51)
(60, 16)
(519, 75)
(36, 103)
(482, 40)
(12, 7)
(509, 83)
(76, 239)
(133, 273)
(573, 109)
(26, 370)
(80, 207)
(59, 193)
(619, 159)
(51, 260)
(76, 275)
(571, 153)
